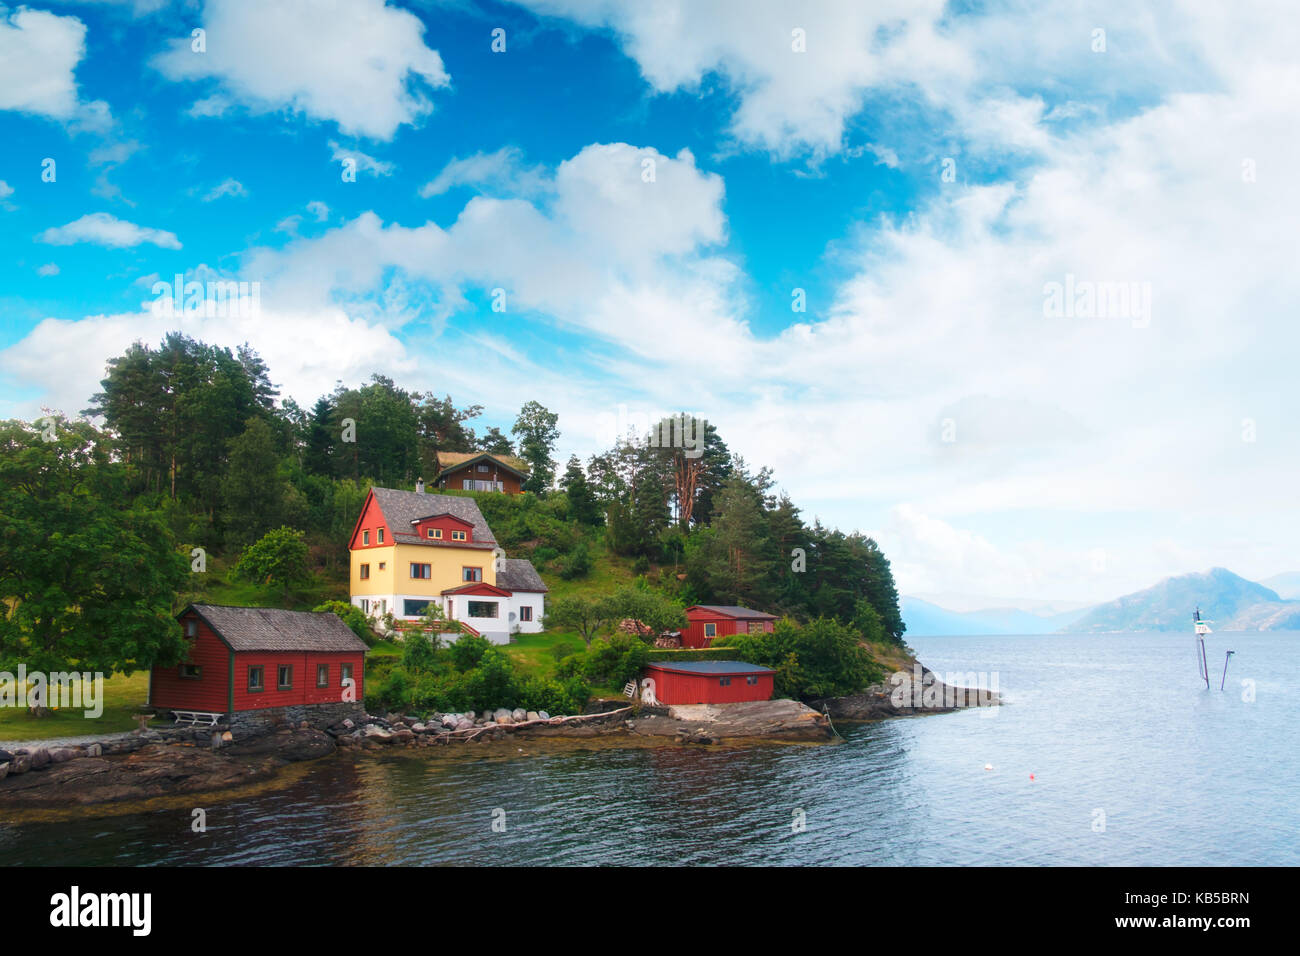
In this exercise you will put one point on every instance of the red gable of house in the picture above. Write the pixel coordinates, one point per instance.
(444, 523)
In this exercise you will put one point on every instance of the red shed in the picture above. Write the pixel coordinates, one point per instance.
(704, 622)
(710, 682)
(254, 658)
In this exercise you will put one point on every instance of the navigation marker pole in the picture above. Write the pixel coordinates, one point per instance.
(1225, 668)
(1203, 628)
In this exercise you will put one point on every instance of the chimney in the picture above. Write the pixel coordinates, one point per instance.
(419, 486)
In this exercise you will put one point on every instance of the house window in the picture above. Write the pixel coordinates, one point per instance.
(380, 533)
(458, 536)
(468, 484)
(365, 606)
(346, 679)
(710, 630)
(322, 675)
(382, 565)
(255, 683)
(365, 572)
(284, 679)
(421, 570)
(365, 537)
(724, 681)
(191, 671)
(526, 613)
(471, 574)
(751, 681)
(191, 628)
(482, 469)
(414, 608)
(435, 533)
(483, 608)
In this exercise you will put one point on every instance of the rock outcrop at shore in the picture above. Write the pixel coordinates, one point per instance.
(150, 765)
(906, 696)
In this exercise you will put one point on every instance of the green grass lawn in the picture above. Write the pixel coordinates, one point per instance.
(123, 696)
(535, 654)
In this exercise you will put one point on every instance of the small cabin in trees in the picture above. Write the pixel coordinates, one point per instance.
(710, 682)
(704, 622)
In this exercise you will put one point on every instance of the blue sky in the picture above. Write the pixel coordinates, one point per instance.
(925, 395)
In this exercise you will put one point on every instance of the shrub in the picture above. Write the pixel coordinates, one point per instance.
(615, 660)
(577, 564)
(353, 617)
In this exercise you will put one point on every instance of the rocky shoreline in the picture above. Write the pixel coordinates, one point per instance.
(181, 761)
(177, 761)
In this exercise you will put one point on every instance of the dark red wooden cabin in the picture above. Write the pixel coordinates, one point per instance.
(710, 682)
(252, 658)
(704, 622)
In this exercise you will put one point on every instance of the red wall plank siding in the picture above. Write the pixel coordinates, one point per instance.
(168, 689)
(372, 519)
(304, 690)
(675, 688)
(694, 635)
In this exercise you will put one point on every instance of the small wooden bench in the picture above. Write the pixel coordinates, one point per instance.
(196, 717)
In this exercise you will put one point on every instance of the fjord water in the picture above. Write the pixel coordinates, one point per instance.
(1114, 725)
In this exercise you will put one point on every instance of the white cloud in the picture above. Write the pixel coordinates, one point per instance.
(359, 63)
(503, 171)
(362, 162)
(104, 229)
(227, 187)
(5, 190)
(319, 210)
(49, 269)
(63, 358)
(39, 54)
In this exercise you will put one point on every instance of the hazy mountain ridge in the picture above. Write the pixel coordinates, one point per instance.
(1230, 601)
(924, 618)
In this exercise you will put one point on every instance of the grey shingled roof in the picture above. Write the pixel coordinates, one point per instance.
(733, 610)
(401, 508)
(520, 575)
(274, 629)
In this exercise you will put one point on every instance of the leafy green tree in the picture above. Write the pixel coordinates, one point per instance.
(820, 659)
(582, 614)
(86, 581)
(583, 506)
(649, 607)
(278, 558)
(495, 443)
(352, 616)
(537, 430)
(253, 493)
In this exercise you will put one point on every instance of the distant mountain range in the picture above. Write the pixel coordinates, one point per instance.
(925, 618)
(1231, 602)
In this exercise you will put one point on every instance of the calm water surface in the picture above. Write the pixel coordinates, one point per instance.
(1118, 725)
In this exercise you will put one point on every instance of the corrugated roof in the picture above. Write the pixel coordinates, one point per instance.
(722, 668)
(518, 574)
(401, 508)
(734, 610)
(275, 629)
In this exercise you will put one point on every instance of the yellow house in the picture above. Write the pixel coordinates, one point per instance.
(410, 549)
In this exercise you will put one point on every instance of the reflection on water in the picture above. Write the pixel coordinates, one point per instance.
(1113, 729)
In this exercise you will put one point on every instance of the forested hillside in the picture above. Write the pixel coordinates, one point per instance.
(201, 481)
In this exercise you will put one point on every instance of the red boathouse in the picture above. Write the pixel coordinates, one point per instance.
(256, 658)
(710, 682)
(704, 622)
